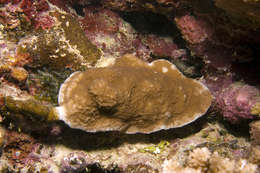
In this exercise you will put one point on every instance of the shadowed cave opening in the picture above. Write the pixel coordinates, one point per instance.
(152, 23)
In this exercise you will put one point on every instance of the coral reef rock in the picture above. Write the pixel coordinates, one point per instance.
(131, 96)
(245, 12)
(201, 160)
(238, 102)
(64, 45)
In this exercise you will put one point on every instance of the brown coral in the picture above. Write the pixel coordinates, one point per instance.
(255, 132)
(131, 96)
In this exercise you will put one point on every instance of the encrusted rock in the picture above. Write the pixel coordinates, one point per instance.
(254, 155)
(19, 74)
(74, 162)
(203, 161)
(237, 101)
(131, 96)
(63, 45)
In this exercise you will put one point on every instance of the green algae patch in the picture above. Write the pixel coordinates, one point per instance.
(45, 83)
(155, 149)
(63, 45)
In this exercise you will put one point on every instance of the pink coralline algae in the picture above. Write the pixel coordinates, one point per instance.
(116, 37)
(236, 102)
(193, 30)
(111, 34)
(163, 47)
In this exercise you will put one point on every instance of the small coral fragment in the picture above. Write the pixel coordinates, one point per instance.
(131, 96)
(27, 105)
(201, 160)
(255, 110)
(19, 74)
(199, 157)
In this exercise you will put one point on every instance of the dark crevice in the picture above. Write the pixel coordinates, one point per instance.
(249, 71)
(79, 9)
(152, 23)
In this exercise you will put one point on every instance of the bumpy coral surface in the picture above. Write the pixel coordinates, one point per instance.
(131, 96)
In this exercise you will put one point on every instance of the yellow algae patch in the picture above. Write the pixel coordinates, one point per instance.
(255, 110)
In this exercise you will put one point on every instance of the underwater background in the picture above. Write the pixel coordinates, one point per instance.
(129, 86)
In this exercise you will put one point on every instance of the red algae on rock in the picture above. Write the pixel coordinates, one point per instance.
(163, 47)
(114, 36)
(236, 102)
(193, 30)
(17, 148)
(131, 96)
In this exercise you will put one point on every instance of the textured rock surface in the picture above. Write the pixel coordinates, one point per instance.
(131, 96)
(243, 12)
(236, 102)
(63, 45)
(201, 160)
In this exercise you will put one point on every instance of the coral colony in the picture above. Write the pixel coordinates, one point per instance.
(131, 96)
